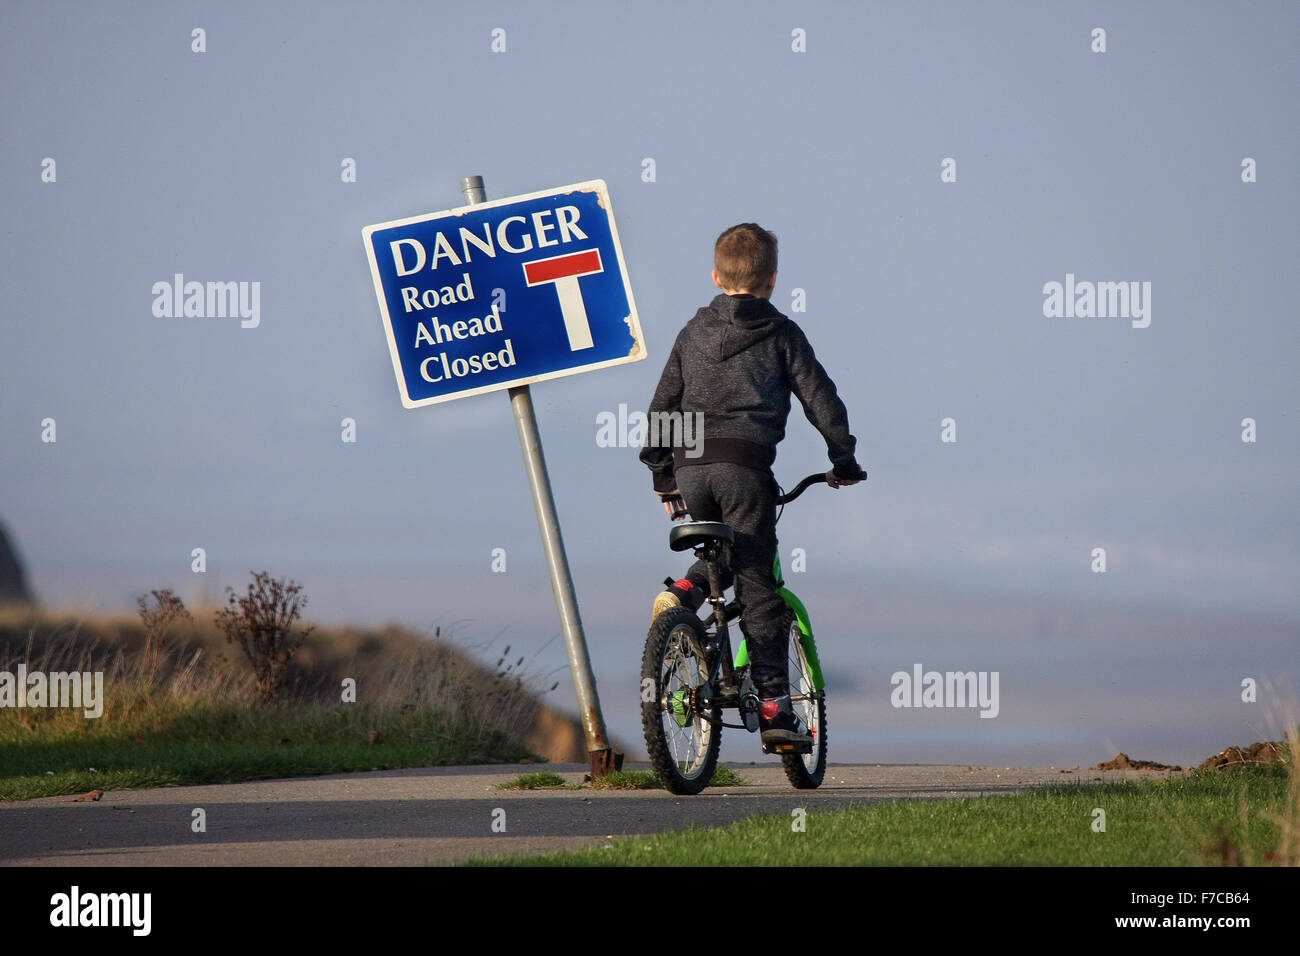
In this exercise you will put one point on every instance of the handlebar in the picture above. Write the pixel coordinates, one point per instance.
(676, 506)
(801, 488)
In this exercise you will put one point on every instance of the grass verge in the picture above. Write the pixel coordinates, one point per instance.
(542, 780)
(200, 744)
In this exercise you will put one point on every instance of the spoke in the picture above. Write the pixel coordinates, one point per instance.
(682, 668)
(801, 690)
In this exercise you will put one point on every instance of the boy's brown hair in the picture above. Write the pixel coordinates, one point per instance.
(745, 257)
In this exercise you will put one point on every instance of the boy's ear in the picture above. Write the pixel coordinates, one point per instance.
(717, 281)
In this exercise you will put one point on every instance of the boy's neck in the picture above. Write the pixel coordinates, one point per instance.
(762, 293)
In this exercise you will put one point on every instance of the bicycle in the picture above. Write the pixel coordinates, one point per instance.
(688, 675)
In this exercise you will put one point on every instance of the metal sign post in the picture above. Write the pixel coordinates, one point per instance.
(603, 759)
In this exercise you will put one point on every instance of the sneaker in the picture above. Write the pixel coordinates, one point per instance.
(678, 594)
(663, 601)
(781, 730)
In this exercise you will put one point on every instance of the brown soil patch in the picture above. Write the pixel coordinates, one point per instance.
(1270, 751)
(1123, 762)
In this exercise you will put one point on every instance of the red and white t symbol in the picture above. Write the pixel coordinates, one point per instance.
(563, 272)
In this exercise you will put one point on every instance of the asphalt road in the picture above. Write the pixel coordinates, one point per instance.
(437, 815)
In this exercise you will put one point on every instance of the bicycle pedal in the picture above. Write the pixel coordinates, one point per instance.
(787, 748)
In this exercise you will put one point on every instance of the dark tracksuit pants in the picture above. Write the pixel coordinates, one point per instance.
(745, 498)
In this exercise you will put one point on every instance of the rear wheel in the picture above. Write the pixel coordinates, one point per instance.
(806, 771)
(683, 730)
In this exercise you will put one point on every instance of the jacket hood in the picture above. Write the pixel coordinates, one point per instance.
(732, 323)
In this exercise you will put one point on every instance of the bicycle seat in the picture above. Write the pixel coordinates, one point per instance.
(693, 534)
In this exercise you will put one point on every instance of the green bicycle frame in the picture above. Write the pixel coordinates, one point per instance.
(805, 630)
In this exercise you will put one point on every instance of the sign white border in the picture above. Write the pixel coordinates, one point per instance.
(597, 186)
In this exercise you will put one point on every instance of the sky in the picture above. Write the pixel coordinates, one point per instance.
(928, 168)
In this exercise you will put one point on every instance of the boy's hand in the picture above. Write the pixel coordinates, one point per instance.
(836, 482)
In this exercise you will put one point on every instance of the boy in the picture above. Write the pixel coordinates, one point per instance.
(737, 362)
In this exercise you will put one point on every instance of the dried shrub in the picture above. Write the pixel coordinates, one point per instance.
(167, 609)
(261, 624)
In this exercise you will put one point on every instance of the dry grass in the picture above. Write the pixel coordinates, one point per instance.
(392, 666)
(1288, 849)
(184, 709)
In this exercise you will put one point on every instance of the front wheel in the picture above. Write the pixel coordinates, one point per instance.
(683, 727)
(806, 771)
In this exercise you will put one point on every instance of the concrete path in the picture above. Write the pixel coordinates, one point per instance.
(438, 815)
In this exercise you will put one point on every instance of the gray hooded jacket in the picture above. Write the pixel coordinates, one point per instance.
(737, 362)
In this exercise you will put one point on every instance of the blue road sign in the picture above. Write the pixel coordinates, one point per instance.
(504, 293)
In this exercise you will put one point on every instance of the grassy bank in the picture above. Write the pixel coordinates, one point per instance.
(1246, 815)
(197, 718)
